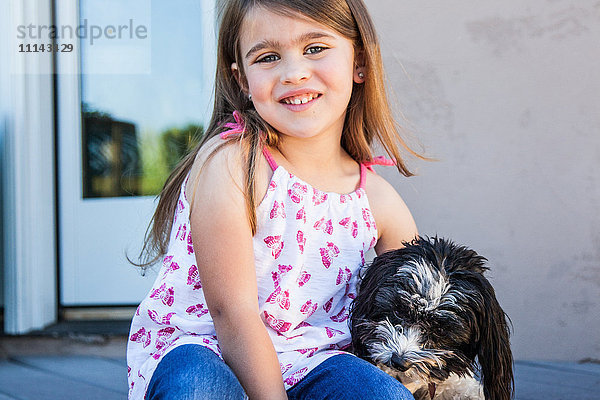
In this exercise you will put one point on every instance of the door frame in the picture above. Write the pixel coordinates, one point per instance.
(28, 169)
(77, 282)
(28, 125)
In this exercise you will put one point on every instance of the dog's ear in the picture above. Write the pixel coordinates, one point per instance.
(364, 306)
(494, 354)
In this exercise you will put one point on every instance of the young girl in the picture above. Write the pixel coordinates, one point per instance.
(263, 228)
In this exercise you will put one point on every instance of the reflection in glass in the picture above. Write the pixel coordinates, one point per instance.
(112, 163)
(111, 158)
(136, 127)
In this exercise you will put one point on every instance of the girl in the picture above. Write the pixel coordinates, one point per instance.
(263, 228)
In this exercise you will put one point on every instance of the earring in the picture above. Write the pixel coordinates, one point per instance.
(361, 75)
(250, 96)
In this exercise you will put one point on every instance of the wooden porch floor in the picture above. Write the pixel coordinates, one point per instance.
(93, 367)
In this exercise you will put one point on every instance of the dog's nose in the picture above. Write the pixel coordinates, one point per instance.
(400, 363)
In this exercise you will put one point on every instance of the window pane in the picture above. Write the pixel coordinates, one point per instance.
(136, 126)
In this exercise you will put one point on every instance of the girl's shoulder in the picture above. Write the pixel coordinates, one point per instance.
(394, 220)
(219, 169)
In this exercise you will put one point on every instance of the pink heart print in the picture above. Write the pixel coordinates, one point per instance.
(281, 298)
(164, 320)
(310, 351)
(296, 377)
(302, 324)
(327, 306)
(325, 226)
(197, 309)
(142, 337)
(309, 308)
(344, 276)
(303, 278)
(272, 186)
(190, 245)
(352, 225)
(275, 244)
(171, 268)
(167, 296)
(194, 278)
(368, 218)
(167, 260)
(284, 368)
(341, 316)
(297, 192)
(301, 241)
(278, 210)
(162, 336)
(276, 275)
(301, 214)
(278, 324)
(328, 253)
(332, 332)
(318, 197)
(181, 232)
(344, 198)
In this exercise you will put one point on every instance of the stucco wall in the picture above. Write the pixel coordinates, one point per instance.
(507, 96)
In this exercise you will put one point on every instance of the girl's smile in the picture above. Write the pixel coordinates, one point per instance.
(300, 100)
(300, 73)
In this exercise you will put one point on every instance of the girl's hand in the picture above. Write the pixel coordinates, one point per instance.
(224, 252)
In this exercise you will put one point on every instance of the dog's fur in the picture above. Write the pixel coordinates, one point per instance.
(423, 313)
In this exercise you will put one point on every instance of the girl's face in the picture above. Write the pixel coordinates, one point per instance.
(299, 73)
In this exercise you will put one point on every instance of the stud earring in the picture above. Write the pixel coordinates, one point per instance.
(250, 97)
(361, 75)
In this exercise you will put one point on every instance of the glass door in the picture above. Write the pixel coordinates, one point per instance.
(133, 97)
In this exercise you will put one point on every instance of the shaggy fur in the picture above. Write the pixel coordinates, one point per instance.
(424, 313)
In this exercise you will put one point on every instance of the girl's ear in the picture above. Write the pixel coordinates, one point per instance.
(359, 67)
(241, 82)
(359, 75)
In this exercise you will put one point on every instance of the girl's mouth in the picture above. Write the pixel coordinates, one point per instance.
(300, 99)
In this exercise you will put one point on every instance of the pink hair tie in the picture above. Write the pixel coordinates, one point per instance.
(235, 128)
(379, 160)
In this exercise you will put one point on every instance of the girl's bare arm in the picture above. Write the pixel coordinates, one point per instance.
(394, 221)
(224, 252)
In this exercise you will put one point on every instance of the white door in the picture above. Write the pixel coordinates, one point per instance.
(140, 77)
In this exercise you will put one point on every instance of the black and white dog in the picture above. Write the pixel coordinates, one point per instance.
(423, 313)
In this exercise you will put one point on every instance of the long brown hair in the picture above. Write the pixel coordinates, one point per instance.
(368, 117)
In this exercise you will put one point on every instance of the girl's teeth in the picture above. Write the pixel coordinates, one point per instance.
(298, 100)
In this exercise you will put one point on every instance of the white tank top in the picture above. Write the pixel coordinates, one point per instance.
(308, 249)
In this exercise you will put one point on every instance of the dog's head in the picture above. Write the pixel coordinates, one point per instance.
(425, 311)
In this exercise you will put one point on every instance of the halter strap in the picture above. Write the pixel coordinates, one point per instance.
(270, 159)
(237, 128)
(363, 176)
(368, 165)
(380, 160)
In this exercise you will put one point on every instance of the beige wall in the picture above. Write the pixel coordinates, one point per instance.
(507, 95)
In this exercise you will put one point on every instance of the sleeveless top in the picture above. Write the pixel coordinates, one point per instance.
(308, 249)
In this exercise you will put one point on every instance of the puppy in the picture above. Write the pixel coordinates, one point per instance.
(424, 313)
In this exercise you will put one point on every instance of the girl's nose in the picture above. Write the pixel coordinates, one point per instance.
(295, 72)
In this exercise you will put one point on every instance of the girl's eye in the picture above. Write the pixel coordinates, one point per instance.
(315, 49)
(267, 59)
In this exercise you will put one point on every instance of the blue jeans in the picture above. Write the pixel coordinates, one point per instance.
(195, 372)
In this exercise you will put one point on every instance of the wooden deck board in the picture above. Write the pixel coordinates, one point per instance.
(93, 370)
(544, 380)
(28, 383)
(64, 377)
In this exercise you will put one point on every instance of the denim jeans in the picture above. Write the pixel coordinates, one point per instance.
(195, 372)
